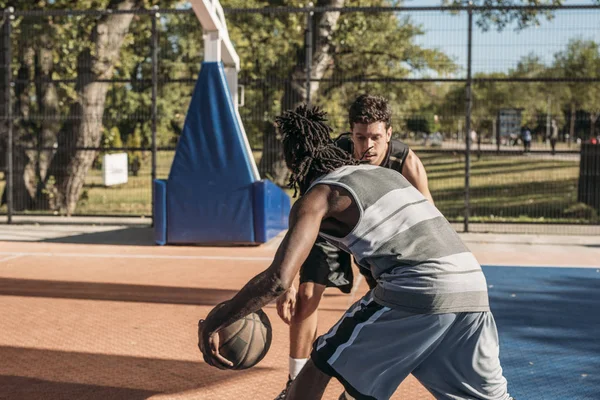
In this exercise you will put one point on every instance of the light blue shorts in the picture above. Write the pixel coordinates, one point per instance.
(373, 348)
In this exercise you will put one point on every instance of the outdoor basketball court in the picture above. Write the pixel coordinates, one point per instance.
(118, 320)
(96, 310)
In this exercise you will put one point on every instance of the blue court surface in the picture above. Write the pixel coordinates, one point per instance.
(549, 325)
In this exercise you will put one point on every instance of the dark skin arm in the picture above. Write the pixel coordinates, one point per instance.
(319, 204)
(372, 282)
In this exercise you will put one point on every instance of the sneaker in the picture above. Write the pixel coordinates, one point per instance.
(284, 391)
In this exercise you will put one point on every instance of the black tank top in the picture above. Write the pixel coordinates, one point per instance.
(394, 159)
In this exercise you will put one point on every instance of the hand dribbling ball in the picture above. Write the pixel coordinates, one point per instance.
(246, 341)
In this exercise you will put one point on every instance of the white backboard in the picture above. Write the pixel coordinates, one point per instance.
(211, 17)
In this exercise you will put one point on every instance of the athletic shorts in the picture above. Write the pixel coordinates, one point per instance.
(329, 266)
(373, 348)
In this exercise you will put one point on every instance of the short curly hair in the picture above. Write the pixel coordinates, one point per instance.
(368, 109)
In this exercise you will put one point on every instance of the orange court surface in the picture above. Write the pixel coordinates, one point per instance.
(108, 315)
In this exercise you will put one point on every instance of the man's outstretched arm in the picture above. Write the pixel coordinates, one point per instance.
(305, 219)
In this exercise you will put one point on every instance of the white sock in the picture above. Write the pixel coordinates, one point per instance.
(296, 365)
(348, 397)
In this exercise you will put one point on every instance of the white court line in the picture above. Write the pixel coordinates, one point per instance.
(531, 265)
(15, 254)
(157, 256)
(11, 257)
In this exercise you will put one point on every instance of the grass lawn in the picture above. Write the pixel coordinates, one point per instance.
(503, 188)
(507, 188)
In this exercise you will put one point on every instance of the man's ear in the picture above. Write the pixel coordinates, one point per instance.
(389, 134)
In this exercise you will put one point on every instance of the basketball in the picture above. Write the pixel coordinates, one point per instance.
(246, 341)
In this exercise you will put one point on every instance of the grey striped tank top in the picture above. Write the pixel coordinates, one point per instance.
(420, 263)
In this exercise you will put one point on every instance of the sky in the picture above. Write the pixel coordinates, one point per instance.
(495, 51)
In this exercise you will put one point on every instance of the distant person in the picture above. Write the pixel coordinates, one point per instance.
(526, 137)
(553, 136)
(473, 137)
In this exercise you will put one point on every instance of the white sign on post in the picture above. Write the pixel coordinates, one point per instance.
(114, 169)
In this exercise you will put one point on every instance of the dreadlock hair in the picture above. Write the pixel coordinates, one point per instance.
(308, 149)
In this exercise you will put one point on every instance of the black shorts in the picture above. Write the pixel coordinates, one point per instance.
(329, 266)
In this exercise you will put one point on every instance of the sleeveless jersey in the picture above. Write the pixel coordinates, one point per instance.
(420, 263)
(394, 158)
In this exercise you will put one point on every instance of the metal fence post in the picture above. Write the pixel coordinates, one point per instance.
(155, 16)
(308, 46)
(469, 105)
(9, 17)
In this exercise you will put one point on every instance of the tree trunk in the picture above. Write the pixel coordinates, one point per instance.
(70, 166)
(3, 104)
(295, 91)
(322, 46)
(572, 123)
(593, 119)
(23, 166)
(31, 165)
(48, 106)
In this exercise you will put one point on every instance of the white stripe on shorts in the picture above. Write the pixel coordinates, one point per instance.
(350, 313)
(355, 333)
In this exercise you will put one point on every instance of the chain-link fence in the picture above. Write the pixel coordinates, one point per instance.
(495, 101)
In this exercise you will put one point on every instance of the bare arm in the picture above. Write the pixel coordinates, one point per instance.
(414, 171)
(305, 220)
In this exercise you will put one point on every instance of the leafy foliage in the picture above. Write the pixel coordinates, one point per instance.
(580, 59)
(367, 48)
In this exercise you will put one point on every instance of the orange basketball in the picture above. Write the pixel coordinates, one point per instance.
(246, 341)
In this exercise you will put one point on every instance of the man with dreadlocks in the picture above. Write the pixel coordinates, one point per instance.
(427, 315)
(370, 140)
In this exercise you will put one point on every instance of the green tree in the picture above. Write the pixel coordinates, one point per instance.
(86, 49)
(353, 47)
(581, 59)
(346, 46)
(424, 123)
(324, 27)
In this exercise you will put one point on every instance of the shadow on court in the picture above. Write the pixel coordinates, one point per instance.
(19, 387)
(28, 373)
(130, 236)
(548, 322)
(113, 292)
